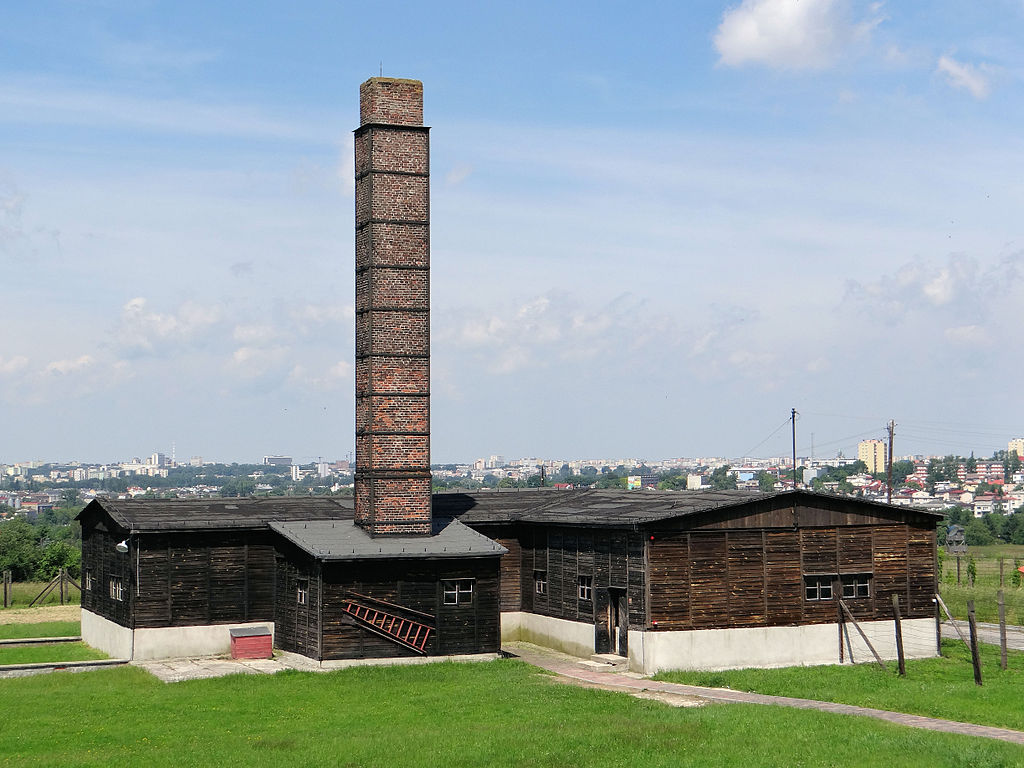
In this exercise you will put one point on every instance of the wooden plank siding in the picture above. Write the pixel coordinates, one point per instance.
(208, 577)
(416, 586)
(102, 562)
(611, 558)
(708, 579)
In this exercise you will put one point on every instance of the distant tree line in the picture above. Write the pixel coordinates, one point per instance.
(36, 550)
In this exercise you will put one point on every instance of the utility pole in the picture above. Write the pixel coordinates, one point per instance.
(792, 417)
(891, 428)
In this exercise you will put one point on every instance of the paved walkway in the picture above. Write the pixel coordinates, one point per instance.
(571, 668)
(987, 633)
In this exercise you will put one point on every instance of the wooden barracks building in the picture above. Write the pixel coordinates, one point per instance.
(669, 579)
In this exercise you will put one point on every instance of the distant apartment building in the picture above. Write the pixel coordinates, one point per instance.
(872, 453)
(277, 461)
(1017, 444)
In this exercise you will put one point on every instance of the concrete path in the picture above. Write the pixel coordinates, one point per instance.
(571, 668)
(987, 633)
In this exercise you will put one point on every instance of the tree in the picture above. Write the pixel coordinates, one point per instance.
(766, 482)
(977, 534)
(57, 555)
(19, 551)
(721, 480)
(672, 483)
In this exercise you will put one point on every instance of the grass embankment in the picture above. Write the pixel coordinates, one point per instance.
(50, 653)
(24, 592)
(986, 585)
(942, 687)
(41, 629)
(500, 713)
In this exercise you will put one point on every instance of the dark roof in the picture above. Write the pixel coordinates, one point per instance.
(344, 540)
(611, 508)
(159, 514)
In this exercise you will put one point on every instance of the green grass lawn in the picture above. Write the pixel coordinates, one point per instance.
(502, 714)
(985, 587)
(941, 687)
(24, 592)
(36, 654)
(42, 629)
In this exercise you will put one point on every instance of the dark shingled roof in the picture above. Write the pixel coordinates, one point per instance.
(612, 508)
(180, 515)
(344, 540)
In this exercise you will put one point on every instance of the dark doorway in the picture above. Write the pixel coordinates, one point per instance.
(617, 622)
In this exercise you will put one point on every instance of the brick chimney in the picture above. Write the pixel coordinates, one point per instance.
(392, 161)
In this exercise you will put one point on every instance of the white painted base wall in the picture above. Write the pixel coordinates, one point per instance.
(764, 647)
(572, 637)
(712, 649)
(160, 642)
(105, 635)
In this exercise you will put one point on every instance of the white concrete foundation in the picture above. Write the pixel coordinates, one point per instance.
(160, 642)
(105, 635)
(764, 647)
(573, 637)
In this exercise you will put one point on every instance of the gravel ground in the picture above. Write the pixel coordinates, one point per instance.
(43, 613)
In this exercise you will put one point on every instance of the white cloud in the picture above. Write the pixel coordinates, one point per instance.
(458, 174)
(12, 365)
(964, 77)
(65, 367)
(143, 330)
(38, 100)
(790, 34)
(967, 335)
(255, 362)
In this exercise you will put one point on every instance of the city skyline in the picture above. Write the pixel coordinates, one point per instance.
(652, 236)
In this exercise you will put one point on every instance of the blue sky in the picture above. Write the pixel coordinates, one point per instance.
(655, 230)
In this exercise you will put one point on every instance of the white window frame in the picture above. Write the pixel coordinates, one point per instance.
(301, 591)
(817, 588)
(585, 587)
(87, 581)
(116, 589)
(856, 586)
(540, 582)
(457, 591)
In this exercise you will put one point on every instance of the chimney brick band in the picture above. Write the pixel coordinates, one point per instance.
(392, 170)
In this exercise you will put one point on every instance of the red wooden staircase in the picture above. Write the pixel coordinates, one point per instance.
(408, 633)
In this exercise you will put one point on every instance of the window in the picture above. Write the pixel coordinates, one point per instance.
(87, 581)
(540, 582)
(457, 591)
(857, 585)
(116, 589)
(818, 587)
(586, 587)
(302, 591)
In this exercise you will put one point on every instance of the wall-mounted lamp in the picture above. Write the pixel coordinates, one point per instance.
(122, 546)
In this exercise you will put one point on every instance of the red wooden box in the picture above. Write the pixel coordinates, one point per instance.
(251, 643)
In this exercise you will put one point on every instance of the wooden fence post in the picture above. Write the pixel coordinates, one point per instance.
(862, 635)
(1002, 628)
(958, 570)
(1002, 562)
(975, 655)
(899, 634)
(839, 608)
(8, 590)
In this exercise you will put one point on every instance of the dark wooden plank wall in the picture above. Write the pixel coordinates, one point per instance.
(743, 578)
(101, 559)
(460, 629)
(511, 567)
(200, 578)
(612, 558)
(297, 627)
